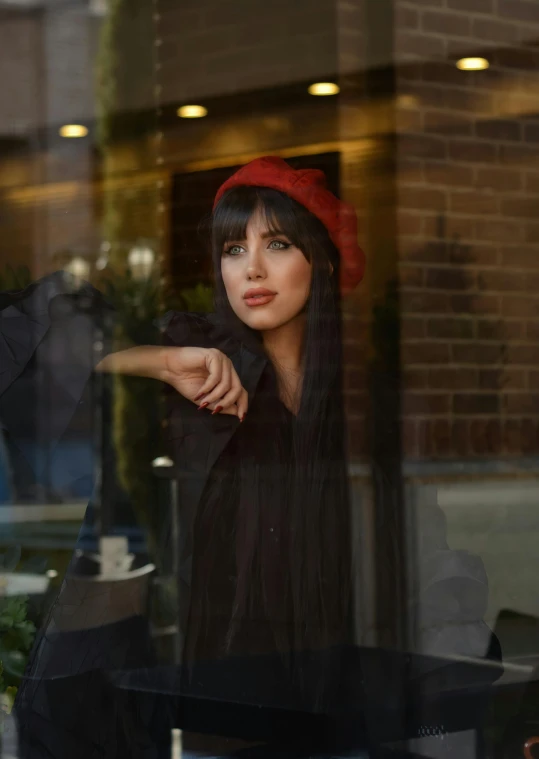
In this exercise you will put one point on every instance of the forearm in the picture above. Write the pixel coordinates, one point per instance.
(140, 361)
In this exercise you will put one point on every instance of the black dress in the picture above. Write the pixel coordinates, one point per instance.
(73, 702)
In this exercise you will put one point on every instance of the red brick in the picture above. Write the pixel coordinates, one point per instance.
(426, 3)
(440, 432)
(415, 301)
(512, 440)
(490, 379)
(528, 436)
(499, 329)
(476, 354)
(531, 132)
(498, 179)
(520, 207)
(418, 44)
(409, 438)
(519, 257)
(446, 23)
(523, 354)
(520, 154)
(453, 378)
(483, 255)
(471, 6)
(499, 130)
(461, 329)
(532, 183)
(422, 146)
(513, 379)
(472, 151)
(493, 30)
(519, 10)
(448, 174)
(497, 230)
(415, 379)
(516, 58)
(532, 233)
(460, 437)
(532, 330)
(475, 304)
(426, 404)
(501, 281)
(412, 328)
(450, 279)
(517, 306)
(425, 352)
(459, 228)
(425, 251)
(476, 403)
(411, 276)
(408, 223)
(408, 120)
(520, 403)
(405, 18)
(474, 202)
(422, 198)
(445, 122)
(485, 436)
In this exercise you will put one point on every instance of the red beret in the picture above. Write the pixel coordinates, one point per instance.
(308, 187)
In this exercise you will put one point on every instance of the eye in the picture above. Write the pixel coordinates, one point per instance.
(279, 245)
(232, 250)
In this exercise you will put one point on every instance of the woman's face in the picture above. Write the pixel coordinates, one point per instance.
(267, 279)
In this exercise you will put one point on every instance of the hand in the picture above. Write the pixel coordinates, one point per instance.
(207, 377)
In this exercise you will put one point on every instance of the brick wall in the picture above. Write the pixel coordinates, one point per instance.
(468, 184)
(216, 48)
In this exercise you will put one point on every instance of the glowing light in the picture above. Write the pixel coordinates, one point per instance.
(407, 101)
(51, 574)
(192, 112)
(324, 88)
(79, 269)
(472, 64)
(73, 130)
(140, 260)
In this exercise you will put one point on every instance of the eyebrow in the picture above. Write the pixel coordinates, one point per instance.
(265, 236)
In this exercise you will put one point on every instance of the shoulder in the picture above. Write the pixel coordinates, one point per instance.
(183, 329)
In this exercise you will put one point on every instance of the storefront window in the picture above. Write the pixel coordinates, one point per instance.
(268, 355)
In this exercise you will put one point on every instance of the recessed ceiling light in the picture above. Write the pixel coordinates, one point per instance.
(472, 64)
(192, 112)
(324, 88)
(73, 130)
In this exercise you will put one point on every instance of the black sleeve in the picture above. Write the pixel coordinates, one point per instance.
(51, 338)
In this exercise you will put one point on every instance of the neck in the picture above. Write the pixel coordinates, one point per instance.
(284, 348)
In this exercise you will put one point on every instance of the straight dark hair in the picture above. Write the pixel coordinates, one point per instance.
(293, 531)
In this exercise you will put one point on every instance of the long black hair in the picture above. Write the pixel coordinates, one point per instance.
(292, 529)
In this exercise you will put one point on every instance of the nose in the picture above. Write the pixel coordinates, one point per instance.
(255, 267)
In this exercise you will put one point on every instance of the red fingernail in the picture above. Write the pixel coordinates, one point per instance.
(242, 417)
(217, 409)
(203, 405)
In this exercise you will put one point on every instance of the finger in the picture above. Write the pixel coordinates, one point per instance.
(233, 394)
(242, 404)
(214, 365)
(230, 410)
(222, 387)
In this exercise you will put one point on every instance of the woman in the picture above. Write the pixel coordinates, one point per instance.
(256, 424)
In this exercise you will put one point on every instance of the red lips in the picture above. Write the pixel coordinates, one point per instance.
(258, 296)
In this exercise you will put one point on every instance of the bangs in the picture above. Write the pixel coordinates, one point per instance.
(234, 211)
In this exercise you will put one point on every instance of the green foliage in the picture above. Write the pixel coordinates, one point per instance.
(198, 299)
(16, 638)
